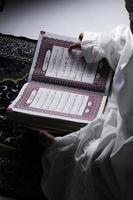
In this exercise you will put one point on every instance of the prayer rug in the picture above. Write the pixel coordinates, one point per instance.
(20, 150)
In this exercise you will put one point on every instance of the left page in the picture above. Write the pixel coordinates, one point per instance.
(57, 102)
(54, 64)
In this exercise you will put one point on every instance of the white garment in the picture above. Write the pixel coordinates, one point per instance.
(96, 162)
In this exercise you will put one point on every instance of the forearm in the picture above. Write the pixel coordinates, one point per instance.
(108, 45)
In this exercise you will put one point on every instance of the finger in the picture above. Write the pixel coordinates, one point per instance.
(81, 36)
(74, 46)
(45, 136)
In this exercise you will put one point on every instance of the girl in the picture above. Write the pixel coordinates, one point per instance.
(96, 162)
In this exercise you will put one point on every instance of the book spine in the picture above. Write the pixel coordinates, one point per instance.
(75, 84)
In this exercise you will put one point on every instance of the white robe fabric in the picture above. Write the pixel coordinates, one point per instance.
(96, 162)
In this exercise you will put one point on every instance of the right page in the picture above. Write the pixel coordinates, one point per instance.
(54, 64)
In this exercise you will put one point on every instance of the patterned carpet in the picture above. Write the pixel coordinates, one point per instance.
(20, 150)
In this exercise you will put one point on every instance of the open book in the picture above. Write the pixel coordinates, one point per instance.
(63, 91)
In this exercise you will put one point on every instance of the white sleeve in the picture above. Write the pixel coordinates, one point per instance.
(107, 44)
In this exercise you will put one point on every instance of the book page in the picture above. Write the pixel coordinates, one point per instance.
(58, 102)
(53, 64)
(62, 64)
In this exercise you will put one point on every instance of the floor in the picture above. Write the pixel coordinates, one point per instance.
(67, 17)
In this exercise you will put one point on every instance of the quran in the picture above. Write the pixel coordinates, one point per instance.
(63, 92)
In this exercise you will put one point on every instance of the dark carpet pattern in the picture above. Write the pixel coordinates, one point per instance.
(20, 150)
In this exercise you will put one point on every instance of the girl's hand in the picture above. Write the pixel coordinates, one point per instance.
(76, 45)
